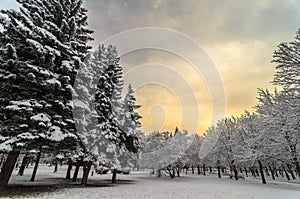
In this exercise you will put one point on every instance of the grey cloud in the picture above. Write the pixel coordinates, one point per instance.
(206, 21)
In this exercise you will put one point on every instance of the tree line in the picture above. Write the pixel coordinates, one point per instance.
(263, 142)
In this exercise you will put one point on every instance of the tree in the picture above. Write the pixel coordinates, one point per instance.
(128, 121)
(43, 45)
(287, 58)
(100, 112)
(193, 152)
(280, 114)
(169, 152)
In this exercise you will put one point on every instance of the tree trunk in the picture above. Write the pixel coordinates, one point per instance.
(286, 173)
(8, 168)
(114, 176)
(272, 172)
(173, 172)
(298, 168)
(86, 170)
(198, 168)
(246, 171)
(256, 171)
(23, 165)
(203, 169)
(298, 174)
(210, 170)
(178, 172)
(219, 171)
(291, 172)
(281, 172)
(186, 171)
(223, 170)
(55, 166)
(28, 162)
(70, 165)
(263, 179)
(235, 173)
(275, 172)
(267, 171)
(158, 173)
(193, 169)
(36, 166)
(252, 172)
(2, 159)
(75, 175)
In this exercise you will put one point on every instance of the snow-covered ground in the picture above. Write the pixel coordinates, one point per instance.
(141, 185)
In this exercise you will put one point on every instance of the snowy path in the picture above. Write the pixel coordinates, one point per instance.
(140, 185)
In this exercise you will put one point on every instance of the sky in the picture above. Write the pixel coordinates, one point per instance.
(235, 43)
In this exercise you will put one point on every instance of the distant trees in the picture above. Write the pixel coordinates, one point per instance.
(268, 138)
(168, 151)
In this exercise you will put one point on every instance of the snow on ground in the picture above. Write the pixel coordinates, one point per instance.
(140, 185)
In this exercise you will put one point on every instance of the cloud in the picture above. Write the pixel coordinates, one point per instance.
(206, 21)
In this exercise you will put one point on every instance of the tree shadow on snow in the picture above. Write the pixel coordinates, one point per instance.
(35, 189)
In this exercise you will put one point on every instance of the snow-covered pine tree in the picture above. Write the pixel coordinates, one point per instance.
(97, 103)
(41, 49)
(128, 121)
(105, 104)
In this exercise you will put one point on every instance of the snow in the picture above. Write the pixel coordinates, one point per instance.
(70, 121)
(21, 103)
(27, 136)
(49, 36)
(56, 134)
(13, 107)
(60, 156)
(5, 147)
(52, 50)
(79, 104)
(38, 47)
(138, 185)
(40, 70)
(2, 138)
(66, 65)
(10, 76)
(53, 81)
(42, 117)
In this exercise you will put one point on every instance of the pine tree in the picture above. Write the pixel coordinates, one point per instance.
(42, 47)
(97, 101)
(130, 120)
